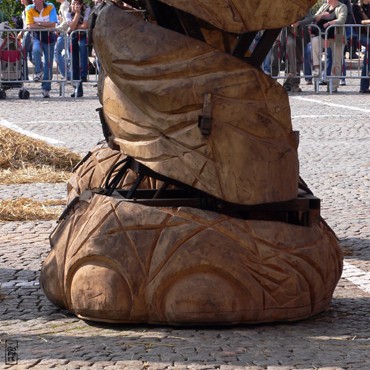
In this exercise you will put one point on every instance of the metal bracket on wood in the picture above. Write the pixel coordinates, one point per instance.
(205, 120)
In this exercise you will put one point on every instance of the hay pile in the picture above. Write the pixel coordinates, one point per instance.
(25, 209)
(24, 160)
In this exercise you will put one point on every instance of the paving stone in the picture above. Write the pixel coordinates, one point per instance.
(334, 161)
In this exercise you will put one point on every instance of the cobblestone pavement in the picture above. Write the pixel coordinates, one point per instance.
(335, 163)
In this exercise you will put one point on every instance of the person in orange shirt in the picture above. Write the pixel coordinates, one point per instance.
(40, 17)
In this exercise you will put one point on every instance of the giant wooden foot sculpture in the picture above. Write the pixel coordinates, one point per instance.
(197, 216)
(119, 261)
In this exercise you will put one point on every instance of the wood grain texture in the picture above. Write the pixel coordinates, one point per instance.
(93, 171)
(155, 94)
(116, 261)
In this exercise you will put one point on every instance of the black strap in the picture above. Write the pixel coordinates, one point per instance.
(111, 184)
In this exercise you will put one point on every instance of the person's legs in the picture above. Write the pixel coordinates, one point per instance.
(328, 65)
(76, 65)
(316, 48)
(84, 60)
(366, 43)
(343, 71)
(364, 84)
(48, 50)
(75, 58)
(275, 62)
(307, 70)
(60, 58)
(337, 50)
(353, 44)
(348, 34)
(292, 63)
(329, 62)
(36, 51)
(266, 66)
(291, 55)
(26, 47)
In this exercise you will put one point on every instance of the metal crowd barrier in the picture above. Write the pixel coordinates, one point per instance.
(18, 67)
(290, 57)
(351, 41)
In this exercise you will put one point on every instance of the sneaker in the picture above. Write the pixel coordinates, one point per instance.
(46, 93)
(83, 79)
(342, 83)
(37, 77)
(308, 82)
(295, 89)
(323, 83)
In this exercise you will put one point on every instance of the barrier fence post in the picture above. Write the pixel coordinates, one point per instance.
(14, 73)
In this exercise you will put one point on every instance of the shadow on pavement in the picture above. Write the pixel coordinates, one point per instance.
(336, 338)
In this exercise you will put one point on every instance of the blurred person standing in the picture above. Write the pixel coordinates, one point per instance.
(288, 46)
(350, 35)
(62, 27)
(333, 12)
(77, 18)
(26, 38)
(97, 63)
(42, 16)
(361, 13)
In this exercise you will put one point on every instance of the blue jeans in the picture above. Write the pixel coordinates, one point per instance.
(266, 65)
(364, 84)
(27, 50)
(84, 59)
(47, 50)
(80, 60)
(62, 60)
(329, 64)
(307, 70)
(78, 41)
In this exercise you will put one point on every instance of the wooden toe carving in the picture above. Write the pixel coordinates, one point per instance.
(124, 262)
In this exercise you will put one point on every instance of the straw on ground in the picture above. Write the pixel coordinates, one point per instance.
(25, 160)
